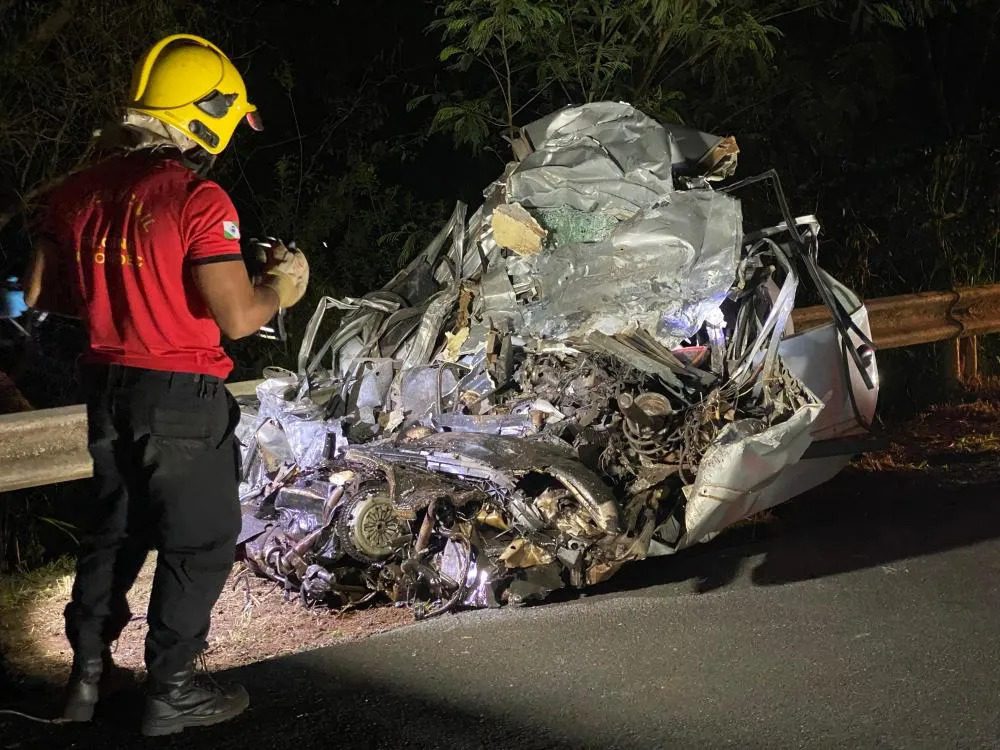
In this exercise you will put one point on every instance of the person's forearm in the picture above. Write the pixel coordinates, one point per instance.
(263, 306)
(246, 319)
(33, 278)
(44, 289)
(238, 306)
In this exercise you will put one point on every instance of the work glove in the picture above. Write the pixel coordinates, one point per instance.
(286, 271)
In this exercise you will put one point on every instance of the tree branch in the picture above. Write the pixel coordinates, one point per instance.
(46, 30)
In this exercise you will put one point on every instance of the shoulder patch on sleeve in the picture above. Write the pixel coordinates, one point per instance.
(230, 230)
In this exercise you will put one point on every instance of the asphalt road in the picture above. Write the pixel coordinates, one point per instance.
(865, 617)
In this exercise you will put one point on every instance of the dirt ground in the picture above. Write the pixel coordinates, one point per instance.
(253, 620)
(948, 445)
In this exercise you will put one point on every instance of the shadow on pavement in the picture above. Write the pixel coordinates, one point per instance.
(294, 704)
(867, 520)
(857, 520)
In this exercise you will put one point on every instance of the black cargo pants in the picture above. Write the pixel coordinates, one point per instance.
(166, 478)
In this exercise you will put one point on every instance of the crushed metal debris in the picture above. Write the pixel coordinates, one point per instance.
(598, 366)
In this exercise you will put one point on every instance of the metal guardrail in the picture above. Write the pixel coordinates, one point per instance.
(43, 447)
(922, 318)
(50, 445)
(958, 317)
(47, 446)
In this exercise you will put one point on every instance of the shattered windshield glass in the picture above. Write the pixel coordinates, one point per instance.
(595, 367)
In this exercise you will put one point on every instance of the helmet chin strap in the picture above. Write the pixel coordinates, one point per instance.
(198, 160)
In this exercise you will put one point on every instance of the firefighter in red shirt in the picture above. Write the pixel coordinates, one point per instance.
(146, 251)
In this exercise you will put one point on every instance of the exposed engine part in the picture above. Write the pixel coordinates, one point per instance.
(368, 527)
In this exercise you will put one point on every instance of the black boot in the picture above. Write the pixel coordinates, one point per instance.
(178, 702)
(91, 679)
(83, 688)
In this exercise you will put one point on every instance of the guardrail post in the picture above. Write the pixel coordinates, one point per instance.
(961, 361)
(952, 363)
(968, 354)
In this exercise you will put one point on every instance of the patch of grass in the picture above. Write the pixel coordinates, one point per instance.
(56, 578)
(24, 625)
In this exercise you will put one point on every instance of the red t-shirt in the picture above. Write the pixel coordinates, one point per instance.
(128, 231)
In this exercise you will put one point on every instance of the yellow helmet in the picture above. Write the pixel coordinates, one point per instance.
(187, 82)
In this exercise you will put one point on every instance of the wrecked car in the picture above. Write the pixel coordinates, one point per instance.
(598, 366)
